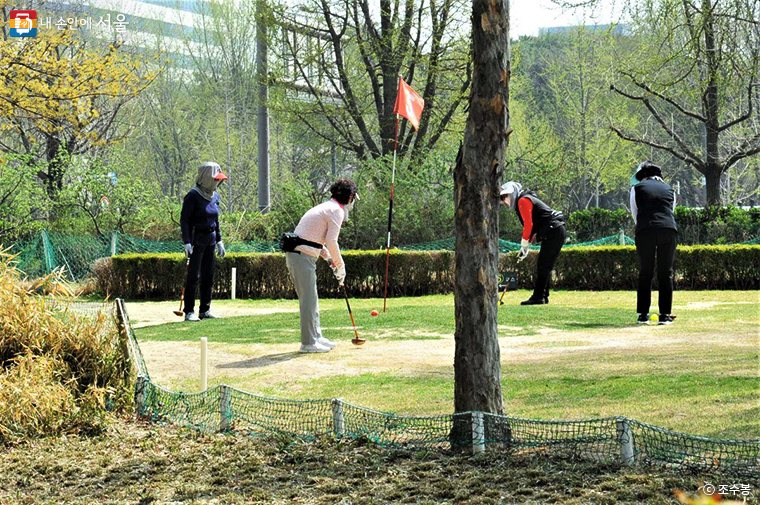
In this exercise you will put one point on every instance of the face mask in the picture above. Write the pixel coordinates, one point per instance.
(349, 206)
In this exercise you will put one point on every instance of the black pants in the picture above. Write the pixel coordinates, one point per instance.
(551, 245)
(661, 242)
(202, 262)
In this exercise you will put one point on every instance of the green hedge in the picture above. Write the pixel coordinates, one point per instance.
(415, 273)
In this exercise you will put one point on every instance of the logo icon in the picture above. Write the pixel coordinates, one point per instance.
(23, 23)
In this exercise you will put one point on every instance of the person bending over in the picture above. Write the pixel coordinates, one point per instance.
(542, 224)
(317, 236)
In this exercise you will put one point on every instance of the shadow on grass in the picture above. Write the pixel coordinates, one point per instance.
(263, 361)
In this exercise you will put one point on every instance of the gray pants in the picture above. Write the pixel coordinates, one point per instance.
(303, 271)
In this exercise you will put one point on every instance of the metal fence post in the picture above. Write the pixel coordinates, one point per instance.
(337, 415)
(478, 433)
(114, 240)
(225, 408)
(625, 438)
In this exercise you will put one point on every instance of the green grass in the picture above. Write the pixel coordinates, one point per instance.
(582, 356)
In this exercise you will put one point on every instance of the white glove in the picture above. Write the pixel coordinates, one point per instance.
(340, 274)
(188, 250)
(220, 249)
(524, 249)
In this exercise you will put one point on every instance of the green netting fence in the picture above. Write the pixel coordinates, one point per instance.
(77, 254)
(617, 440)
(506, 246)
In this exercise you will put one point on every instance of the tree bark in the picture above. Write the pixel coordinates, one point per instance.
(477, 367)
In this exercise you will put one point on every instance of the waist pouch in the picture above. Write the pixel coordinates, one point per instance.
(289, 242)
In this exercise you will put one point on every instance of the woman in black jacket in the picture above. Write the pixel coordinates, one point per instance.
(201, 235)
(652, 205)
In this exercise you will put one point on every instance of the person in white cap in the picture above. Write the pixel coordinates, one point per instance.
(542, 224)
(199, 221)
(317, 236)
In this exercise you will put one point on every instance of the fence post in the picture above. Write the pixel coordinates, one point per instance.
(478, 433)
(621, 236)
(625, 438)
(225, 408)
(114, 240)
(234, 282)
(337, 414)
(140, 386)
(204, 363)
(47, 250)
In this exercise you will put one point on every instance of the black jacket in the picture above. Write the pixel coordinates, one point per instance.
(200, 219)
(654, 203)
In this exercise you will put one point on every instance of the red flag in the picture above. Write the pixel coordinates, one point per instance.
(408, 103)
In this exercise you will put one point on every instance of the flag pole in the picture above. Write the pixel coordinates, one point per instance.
(390, 219)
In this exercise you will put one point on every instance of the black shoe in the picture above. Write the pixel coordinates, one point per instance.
(535, 301)
(643, 319)
(666, 319)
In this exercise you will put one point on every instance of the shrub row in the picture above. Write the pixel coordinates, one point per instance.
(414, 273)
(711, 225)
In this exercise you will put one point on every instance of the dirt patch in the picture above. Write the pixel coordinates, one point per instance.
(706, 305)
(155, 313)
(176, 361)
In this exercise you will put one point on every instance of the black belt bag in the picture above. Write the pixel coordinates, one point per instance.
(289, 242)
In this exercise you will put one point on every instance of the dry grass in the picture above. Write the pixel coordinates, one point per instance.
(150, 464)
(58, 370)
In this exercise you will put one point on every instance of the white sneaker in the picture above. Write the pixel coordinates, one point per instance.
(190, 316)
(315, 347)
(326, 343)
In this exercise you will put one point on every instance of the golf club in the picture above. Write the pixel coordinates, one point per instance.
(182, 297)
(356, 340)
(506, 285)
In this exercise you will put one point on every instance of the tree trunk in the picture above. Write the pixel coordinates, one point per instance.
(712, 183)
(711, 109)
(477, 367)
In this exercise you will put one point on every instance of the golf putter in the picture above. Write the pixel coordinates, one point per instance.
(356, 340)
(182, 297)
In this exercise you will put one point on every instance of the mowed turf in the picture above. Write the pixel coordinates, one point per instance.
(580, 357)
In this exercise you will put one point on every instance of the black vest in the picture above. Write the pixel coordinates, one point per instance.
(654, 201)
(544, 217)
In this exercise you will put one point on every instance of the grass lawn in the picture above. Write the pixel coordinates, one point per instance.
(580, 357)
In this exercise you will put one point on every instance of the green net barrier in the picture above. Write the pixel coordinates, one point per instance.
(506, 246)
(77, 254)
(608, 440)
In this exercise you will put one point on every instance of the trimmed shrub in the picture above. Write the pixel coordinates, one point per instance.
(595, 223)
(415, 273)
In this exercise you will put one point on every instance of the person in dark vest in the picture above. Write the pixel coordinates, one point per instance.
(652, 205)
(542, 224)
(201, 235)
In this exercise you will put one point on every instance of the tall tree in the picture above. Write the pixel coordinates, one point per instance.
(478, 172)
(348, 56)
(60, 95)
(697, 76)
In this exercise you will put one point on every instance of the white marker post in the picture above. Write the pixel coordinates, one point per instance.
(234, 281)
(204, 363)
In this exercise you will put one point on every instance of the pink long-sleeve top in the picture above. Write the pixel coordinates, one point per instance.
(322, 224)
